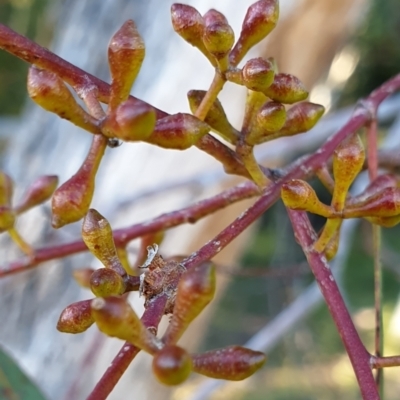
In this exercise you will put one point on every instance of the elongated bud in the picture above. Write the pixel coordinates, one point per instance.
(233, 363)
(106, 282)
(49, 91)
(258, 74)
(286, 89)
(376, 186)
(260, 20)
(6, 189)
(172, 365)
(82, 276)
(348, 160)
(98, 237)
(299, 195)
(218, 36)
(196, 289)
(71, 201)
(7, 218)
(216, 117)
(385, 203)
(76, 318)
(178, 131)
(189, 24)
(269, 119)
(116, 318)
(126, 52)
(38, 192)
(301, 118)
(130, 121)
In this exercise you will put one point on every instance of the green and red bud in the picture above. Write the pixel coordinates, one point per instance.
(178, 131)
(38, 192)
(71, 201)
(126, 53)
(258, 74)
(301, 118)
(260, 19)
(189, 24)
(76, 318)
(98, 237)
(254, 101)
(269, 119)
(348, 159)
(385, 203)
(286, 89)
(49, 91)
(172, 365)
(131, 120)
(196, 289)
(377, 185)
(218, 36)
(299, 195)
(116, 318)
(233, 363)
(215, 118)
(106, 282)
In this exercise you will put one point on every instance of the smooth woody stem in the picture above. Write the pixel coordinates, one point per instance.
(359, 356)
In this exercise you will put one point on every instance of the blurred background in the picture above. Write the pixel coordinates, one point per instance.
(341, 50)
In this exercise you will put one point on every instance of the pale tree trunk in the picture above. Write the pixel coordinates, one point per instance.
(43, 144)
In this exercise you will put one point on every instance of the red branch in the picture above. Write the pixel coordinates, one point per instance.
(189, 214)
(151, 318)
(359, 356)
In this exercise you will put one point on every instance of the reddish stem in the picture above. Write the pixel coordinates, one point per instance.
(189, 214)
(359, 356)
(151, 318)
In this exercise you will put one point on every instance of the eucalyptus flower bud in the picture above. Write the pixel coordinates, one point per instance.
(260, 19)
(106, 282)
(49, 91)
(258, 74)
(286, 89)
(76, 318)
(126, 52)
(172, 365)
(116, 318)
(196, 289)
(38, 192)
(178, 131)
(233, 363)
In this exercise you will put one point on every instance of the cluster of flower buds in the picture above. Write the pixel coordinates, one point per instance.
(266, 117)
(378, 203)
(37, 193)
(126, 119)
(188, 292)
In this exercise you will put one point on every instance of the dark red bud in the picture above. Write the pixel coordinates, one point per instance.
(178, 131)
(232, 363)
(260, 20)
(286, 89)
(172, 365)
(76, 318)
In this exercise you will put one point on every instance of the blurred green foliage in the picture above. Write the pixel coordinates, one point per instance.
(27, 18)
(378, 44)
